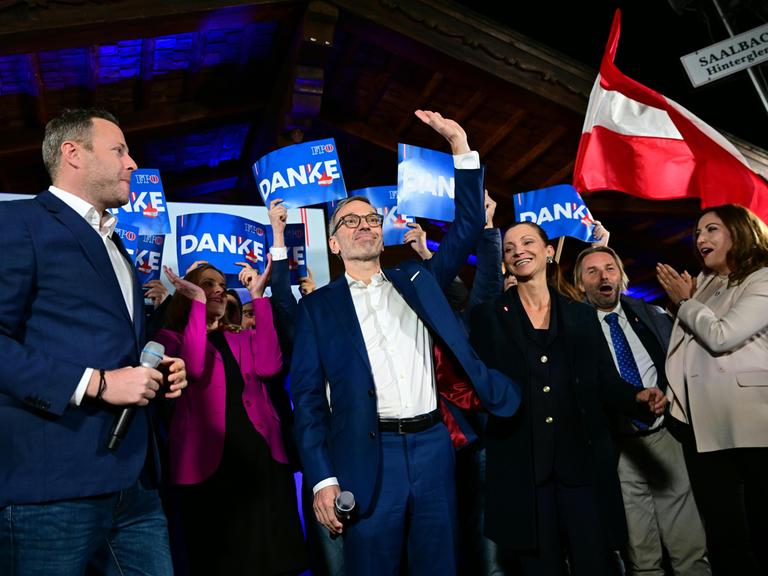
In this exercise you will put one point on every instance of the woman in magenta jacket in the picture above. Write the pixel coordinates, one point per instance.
(227, 460)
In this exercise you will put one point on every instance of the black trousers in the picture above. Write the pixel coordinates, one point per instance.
(568, 521)
(731, 490)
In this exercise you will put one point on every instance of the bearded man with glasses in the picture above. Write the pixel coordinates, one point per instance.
(374, 355)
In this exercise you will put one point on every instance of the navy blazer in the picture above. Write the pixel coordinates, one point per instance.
(342, 439)
(654, 327)
(61, 311)
(510, 517)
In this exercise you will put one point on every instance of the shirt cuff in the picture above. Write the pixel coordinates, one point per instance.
(77, 397)
(332, 481)
(279, 252)
(467, 161)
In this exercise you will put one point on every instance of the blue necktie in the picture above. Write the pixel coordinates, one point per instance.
(624, 357)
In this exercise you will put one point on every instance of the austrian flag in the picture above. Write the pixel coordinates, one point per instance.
(639, 142)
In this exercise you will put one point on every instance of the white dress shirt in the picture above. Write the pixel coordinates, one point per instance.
(399, 349)
(104, 225)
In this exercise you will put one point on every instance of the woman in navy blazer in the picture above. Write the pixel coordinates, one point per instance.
(227, 460)
(551, 478)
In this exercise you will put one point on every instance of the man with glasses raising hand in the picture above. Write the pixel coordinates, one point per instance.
(373, 352)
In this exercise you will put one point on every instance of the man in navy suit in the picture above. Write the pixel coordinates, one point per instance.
(71, 332)
(372, 353)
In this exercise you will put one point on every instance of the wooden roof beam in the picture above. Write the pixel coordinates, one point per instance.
(560, 176)
(468, 37)
(424, 98)
(179, 117)
(469, 108)
(533, 153)
(502, 132)
(40, 26)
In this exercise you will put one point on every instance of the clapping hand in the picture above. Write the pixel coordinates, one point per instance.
(677, 286)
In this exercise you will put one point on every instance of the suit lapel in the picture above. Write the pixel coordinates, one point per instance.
(403, 283)
(340, 300)
(91, 243)
(508, 309)
(642, 325)
(138, 294)
(511, 346)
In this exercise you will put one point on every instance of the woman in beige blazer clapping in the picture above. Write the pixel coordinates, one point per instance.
(717, 366)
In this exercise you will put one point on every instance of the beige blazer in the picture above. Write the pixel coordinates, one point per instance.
(719, 348)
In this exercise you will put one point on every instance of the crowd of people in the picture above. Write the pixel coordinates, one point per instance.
(529, 425)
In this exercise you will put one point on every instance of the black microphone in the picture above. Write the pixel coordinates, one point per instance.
(344, 505)
(150, 358)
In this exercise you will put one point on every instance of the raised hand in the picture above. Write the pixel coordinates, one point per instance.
(157, 291)
(490, 210)
(252, 280)
(600, 234)
(195, 264)
(307, 283)
(448, 129)
(185, 287)
(416, 238)
(278, 216)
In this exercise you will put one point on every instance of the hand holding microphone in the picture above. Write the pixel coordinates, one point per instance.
(324, 505)
(344, 506)
(151, 357)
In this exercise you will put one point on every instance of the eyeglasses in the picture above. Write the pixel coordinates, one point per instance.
(353, 221)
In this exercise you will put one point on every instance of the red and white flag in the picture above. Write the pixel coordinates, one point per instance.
(637, 141)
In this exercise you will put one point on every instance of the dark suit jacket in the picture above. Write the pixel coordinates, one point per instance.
(654, 327)
(342, 440)
(510, 516)
(61, 310)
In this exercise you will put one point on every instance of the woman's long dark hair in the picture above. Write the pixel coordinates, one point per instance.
(555, 278)
(749, 241)
(177, 315)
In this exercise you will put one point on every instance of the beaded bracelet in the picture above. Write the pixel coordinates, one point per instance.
(102, 384)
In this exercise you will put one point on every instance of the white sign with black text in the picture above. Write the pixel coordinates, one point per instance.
(726, 57)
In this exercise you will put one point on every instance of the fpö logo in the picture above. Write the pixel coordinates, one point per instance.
(127, 235)
(156, 239)
(146, 178)
(321, 149)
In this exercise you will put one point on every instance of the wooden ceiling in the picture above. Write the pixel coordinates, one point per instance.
(204, 88)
